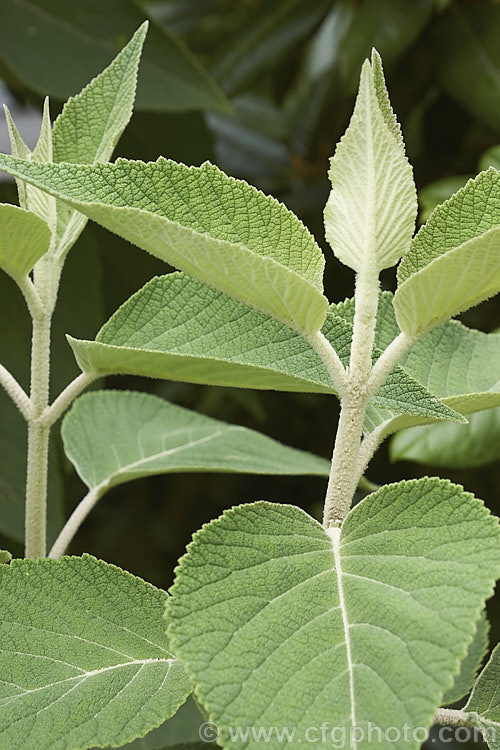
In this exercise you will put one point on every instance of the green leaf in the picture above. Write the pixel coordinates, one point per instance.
(453, 262)
(470, 665)
(198, 219)
(490, 158)
(182, 329)
(281, 623)
(483, 707)
(19, 149)
(451, 446)
(99, 114)
(82, 643)
(370, 214)
(5, 557)
(112, 437)
(72, 46)
(438, 191)
(24, 238)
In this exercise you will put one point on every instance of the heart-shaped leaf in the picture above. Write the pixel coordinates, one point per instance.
(283, 624)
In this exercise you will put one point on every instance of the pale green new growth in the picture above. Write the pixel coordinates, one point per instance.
(453, 262)
(470, 665)
(483, 707)
(281, 623)
(68, 671)
(24, 238)
(5, 556)
(91, 123)
(216, 228)
(179, 328)
(370, 214)
(115, 436)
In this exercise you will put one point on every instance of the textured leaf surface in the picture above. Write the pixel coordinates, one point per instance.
(182, 329)
(82, 643)
(24, 238)
(483, 706)
(99, 115)
(198, 219)
(370, 214)
(453, 261)
(115, 436)
(470, 665)
(275, 618)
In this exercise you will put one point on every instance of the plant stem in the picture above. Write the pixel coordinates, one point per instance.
(331, 360)
(15, 391)
(66, 397)
(388, 360)
(38, 438)
(452, 717)
(74, 522)
(344, 475)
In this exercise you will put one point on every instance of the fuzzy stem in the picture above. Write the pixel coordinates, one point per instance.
(15, 391)
(388, 361)
(66, 398)
(344, 474)
(452, 717)
(74, 522)
(331, 360)
(38, 439)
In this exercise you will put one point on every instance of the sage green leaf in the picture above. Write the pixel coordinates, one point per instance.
(112, 437)
(39, 202)
(99, 114)
(82, 643)
(451, 446)
(24, 238)
(370, 214)
(483, 707)
(454, 261)
(182, 329)
(5, 556)
(470, 665)
(198, 219)
(283, 624)
(181, 729)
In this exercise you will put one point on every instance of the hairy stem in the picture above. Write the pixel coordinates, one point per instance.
(74, 522)
(66, 398)
(331, 360)
(344, 475)
(452, 717)
(38, 439)
(388, 361)
(15, 391)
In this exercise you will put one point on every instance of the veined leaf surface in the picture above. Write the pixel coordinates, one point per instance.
(457, 246)
(82, 642)
(182, 329)
(24, 238)
(283, 624)
(98, 114)
(370, 214)
(115, 436)
(198, 219)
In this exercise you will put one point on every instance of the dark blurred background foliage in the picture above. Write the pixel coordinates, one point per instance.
(263, 88)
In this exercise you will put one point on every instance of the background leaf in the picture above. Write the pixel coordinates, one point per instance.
(483, 705)
(97, 650)
(82, 42)
(471, 664)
